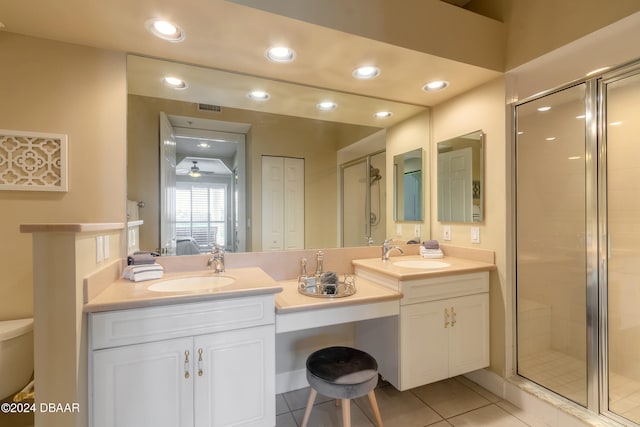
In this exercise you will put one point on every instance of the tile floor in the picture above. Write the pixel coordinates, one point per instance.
(453, 402)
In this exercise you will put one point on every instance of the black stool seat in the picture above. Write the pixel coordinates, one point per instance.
(342, 365)
(342, 373)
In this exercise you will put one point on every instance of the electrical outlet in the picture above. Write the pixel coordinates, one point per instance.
(416, 230)
(475, 234)
(446, 232)
(398, 230)
(106, 251)
(99, 249)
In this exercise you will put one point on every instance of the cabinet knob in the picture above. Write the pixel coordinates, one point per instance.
(186, 364)
(199, 362)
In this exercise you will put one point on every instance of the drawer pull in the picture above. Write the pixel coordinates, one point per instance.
(453, 317)
(186, 364)
(199, 362)
(446, 318)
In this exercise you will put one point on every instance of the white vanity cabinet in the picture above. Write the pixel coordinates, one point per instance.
(197, 364)
(442, 330)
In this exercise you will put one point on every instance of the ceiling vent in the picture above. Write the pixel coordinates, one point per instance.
(210, 107)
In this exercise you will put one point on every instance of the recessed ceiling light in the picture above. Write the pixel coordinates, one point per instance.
(597, 70)
(165, 30)
(258, 95)
(551, 138)
(615, 123)
(203, 145)
(574, 158)
(543, 109)
(520, 132)
(366, 72)
(175, 82)
(327, 105)
(280, 54)
(383, 114)
(435, 85)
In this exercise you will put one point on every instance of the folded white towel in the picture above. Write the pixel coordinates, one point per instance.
(139, 273)
(431, 253)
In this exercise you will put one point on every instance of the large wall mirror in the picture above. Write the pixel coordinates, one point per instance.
(461, 178)
(208, 118)
(408, 186)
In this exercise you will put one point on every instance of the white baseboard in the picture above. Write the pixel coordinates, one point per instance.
(291, 380)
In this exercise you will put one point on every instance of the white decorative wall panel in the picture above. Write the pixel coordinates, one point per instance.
(32, 161)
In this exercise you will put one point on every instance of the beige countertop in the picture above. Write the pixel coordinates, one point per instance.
(367, 292)
(125, 294)
(390, 269)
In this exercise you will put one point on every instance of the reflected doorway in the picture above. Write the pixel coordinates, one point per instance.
(203, 186)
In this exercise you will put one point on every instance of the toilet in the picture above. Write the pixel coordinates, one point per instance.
(16, 355)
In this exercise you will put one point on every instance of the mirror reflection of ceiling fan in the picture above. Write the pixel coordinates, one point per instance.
(196, 167)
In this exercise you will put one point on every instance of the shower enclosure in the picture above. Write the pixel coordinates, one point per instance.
(578, 243)
(363, 201)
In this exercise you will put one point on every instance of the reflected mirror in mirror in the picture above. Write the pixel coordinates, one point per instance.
(214, 107)
(408, 186)
(460, 178)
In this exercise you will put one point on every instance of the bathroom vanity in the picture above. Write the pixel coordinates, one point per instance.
(171, 362)
(443, 325)
(207, 356)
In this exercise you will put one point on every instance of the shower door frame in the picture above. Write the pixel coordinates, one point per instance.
(620, 73)
(592, 313)
(597, 237)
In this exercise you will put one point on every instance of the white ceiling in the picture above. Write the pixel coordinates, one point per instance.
(229, 37)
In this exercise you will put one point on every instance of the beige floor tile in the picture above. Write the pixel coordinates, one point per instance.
(487, 416)
(286, 420)
(297, 399)
(442, 423)
(329, 415)
(399, 409)
(526, 417)
(480, 390)
(281, 405)
(450, 397)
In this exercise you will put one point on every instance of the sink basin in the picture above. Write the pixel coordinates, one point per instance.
(421, 263)
(198, 283)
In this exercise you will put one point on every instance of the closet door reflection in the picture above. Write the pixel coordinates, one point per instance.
(623, 269)
(551, 242)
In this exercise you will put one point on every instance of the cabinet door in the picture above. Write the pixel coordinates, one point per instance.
(236, 384)
(144, 385)
(469, 335)
(424, 354)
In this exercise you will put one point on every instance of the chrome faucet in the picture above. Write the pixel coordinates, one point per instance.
(387, 248)
(216, 258)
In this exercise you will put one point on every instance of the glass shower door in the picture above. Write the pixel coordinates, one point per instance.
(552, 242)
(622, 128)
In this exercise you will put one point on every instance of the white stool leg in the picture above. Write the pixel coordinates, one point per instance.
(374, 406)
(307, 411)
(346, 412)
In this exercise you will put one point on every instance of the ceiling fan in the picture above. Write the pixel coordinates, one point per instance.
(195, 171)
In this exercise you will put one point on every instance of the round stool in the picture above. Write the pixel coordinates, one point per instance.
(342, 373)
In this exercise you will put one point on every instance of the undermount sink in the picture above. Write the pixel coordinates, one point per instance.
(421, 263)
(197, 283)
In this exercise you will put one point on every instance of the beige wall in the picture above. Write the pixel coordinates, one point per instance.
(81, 92)
(275, 135)
(537, 27)
(482, 108)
